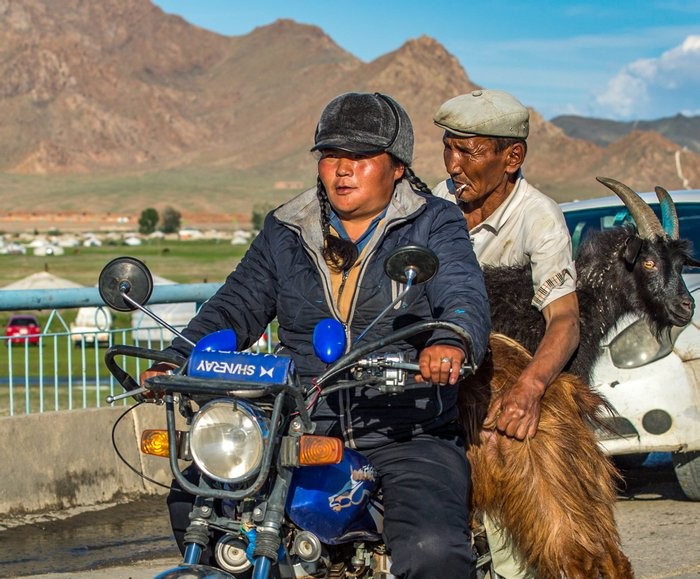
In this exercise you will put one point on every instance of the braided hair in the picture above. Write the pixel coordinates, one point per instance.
(341, 254)
(415, 181)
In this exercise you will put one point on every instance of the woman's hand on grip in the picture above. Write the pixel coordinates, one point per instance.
(158, 369)
(440, 364)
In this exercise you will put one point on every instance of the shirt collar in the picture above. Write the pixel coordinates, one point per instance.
(361, 241)
(498, 218)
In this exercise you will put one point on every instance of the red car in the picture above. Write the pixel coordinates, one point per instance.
(23, 328)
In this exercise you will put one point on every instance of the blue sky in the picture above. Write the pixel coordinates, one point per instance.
(624, 60)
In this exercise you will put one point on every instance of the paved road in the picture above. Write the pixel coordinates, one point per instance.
(659, 528)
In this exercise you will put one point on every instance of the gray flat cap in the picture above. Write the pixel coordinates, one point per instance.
(488, 113)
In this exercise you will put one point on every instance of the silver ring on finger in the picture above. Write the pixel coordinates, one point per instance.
(445, 360)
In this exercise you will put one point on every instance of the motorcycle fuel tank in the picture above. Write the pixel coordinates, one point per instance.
(333, 502)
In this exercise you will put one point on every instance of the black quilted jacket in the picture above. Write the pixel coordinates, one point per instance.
(283, 275)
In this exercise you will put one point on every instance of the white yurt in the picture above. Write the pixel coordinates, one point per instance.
(42, 280)
(147, 332)
(48, 250)
(92, 324)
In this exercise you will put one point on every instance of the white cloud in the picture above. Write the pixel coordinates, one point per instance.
(651, 88)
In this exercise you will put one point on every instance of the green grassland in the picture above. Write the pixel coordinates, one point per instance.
(33, 370)
(179, 261)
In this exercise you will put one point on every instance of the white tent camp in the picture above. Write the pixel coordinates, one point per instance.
(49, 249)
(92, 324)
(147, 332)
(42, 280)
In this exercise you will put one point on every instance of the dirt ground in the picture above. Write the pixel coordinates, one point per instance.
(659, 527)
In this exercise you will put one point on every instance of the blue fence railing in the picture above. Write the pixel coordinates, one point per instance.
(60, 369)
(55, 371)
(50, 299)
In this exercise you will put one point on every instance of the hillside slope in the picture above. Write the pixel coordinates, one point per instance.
(114, 106)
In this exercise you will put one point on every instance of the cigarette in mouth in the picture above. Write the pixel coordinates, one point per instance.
(459, 190)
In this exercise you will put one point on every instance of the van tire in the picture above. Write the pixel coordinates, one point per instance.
(687, 467)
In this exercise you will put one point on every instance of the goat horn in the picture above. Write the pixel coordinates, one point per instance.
(669, 217)
(648, 225)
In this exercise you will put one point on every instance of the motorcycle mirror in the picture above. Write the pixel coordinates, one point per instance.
(124, 282)
(329, 340)
(411, 264)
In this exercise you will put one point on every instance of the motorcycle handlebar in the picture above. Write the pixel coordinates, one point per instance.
(344, 362)
(122, 376)
(347, 360)
(465, 370)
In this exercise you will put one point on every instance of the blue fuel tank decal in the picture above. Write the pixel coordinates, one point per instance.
(331, 501)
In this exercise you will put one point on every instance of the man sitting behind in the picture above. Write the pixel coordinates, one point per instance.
(511, 223)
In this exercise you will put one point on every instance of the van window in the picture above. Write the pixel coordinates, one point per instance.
(580, 222)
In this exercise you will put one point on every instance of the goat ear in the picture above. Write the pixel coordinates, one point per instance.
(632, 246)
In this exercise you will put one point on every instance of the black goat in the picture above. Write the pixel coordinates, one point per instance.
(620, 271)
(528, 486)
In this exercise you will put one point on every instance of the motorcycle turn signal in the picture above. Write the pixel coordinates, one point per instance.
(155, 442)
(310, 450)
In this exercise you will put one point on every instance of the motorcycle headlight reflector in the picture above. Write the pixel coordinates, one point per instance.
(227, 440)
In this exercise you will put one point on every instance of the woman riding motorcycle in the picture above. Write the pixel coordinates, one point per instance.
(321, 255)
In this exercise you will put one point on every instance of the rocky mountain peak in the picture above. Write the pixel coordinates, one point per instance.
(119, 87)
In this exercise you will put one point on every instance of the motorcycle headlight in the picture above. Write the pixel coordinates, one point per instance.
(227, 440)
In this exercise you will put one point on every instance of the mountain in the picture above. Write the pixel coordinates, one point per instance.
(681, 129)
(97, 85)
(565, 167)
(113, 106)
(648, 157)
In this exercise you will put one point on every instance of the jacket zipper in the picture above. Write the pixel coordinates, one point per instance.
(342, 283)
(344, 396)
(344, 415)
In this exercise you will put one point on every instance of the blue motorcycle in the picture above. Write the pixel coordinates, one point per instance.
(269, 497)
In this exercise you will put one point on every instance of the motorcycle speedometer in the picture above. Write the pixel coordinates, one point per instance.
(227, 440)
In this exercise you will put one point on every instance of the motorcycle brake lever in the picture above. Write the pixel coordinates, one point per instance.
(128, 394)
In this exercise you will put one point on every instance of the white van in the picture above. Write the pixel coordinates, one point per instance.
(654, 385)
(92, 326)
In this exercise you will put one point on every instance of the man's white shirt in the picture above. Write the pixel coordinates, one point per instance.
(528, 227)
